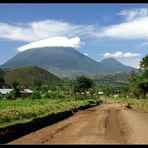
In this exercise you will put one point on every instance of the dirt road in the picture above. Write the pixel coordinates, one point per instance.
(103, 124)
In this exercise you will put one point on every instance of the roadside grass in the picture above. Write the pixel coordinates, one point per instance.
(24, 110)
(140, 105)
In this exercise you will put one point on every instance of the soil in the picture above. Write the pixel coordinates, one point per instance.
(110, 123)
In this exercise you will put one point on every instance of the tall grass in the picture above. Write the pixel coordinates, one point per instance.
(17, 111)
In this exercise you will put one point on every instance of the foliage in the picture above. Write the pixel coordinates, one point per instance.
(55, 94)
(20, 111)
(81, 97)
(35, 95)
(139, 81)
(28, 74)
(55, 88)
(10, 96)
(144, 66)
(86, 96)
(108, 89)
(82, 84)
(37, 84)
(15, 92)
(144, 63)
(15, 85)
(2, 81)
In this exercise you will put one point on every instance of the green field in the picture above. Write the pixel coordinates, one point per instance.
(24, 110)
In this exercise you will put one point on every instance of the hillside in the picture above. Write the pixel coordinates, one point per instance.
(114, 65)
(26, 75)
(64, 62)
(61, 61)
(116, 78)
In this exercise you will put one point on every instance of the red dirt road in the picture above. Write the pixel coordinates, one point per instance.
(103, 124)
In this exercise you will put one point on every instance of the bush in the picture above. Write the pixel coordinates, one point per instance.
(47, 95)
(55, 94)
(10, 96)
(61, 95)
(82, 97)
(35, 95)
(92, 101)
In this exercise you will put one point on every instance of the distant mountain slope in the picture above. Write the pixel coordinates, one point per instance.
(61, 61)
(120, 77)
(28, 74)
(115, 65)
(64, 62)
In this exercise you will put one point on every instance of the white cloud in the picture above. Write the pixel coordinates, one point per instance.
(11, 32)
(120, 54)
(134, 13)
(33, 31)
(134, 29)
(85, 54)
(135, 26)
(53, 42)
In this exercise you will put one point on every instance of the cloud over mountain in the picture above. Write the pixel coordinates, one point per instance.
(53, 42)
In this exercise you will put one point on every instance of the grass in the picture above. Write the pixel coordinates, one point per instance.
(24, 110)
(140, 105)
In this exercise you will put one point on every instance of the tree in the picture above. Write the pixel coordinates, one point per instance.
(15, 85)
(144, 66)
(2, 81)
(134, 87)
(109, 89)
(37, 84)
(143, 85)
(139, 80)
(82, 84)
(15, 89)
(35, 95)
(144, 63)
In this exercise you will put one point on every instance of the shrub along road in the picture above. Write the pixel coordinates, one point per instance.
(110, 123)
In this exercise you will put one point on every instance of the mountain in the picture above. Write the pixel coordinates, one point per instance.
(115, 66)
(64, 62)
(27, 75)
(61, 61)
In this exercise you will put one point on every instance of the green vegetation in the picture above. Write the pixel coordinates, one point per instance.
(82, 84)
(144, 63)
(46, 98)
(35, 95)
(30, 75)
(2, 81)
(139, 80)
(24, 110)
(50, 97)
(116, 78)
(138, 88)
(43, 101)
(134, 84)
(111, 84)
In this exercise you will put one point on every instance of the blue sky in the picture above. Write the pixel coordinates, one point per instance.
(96, 30)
